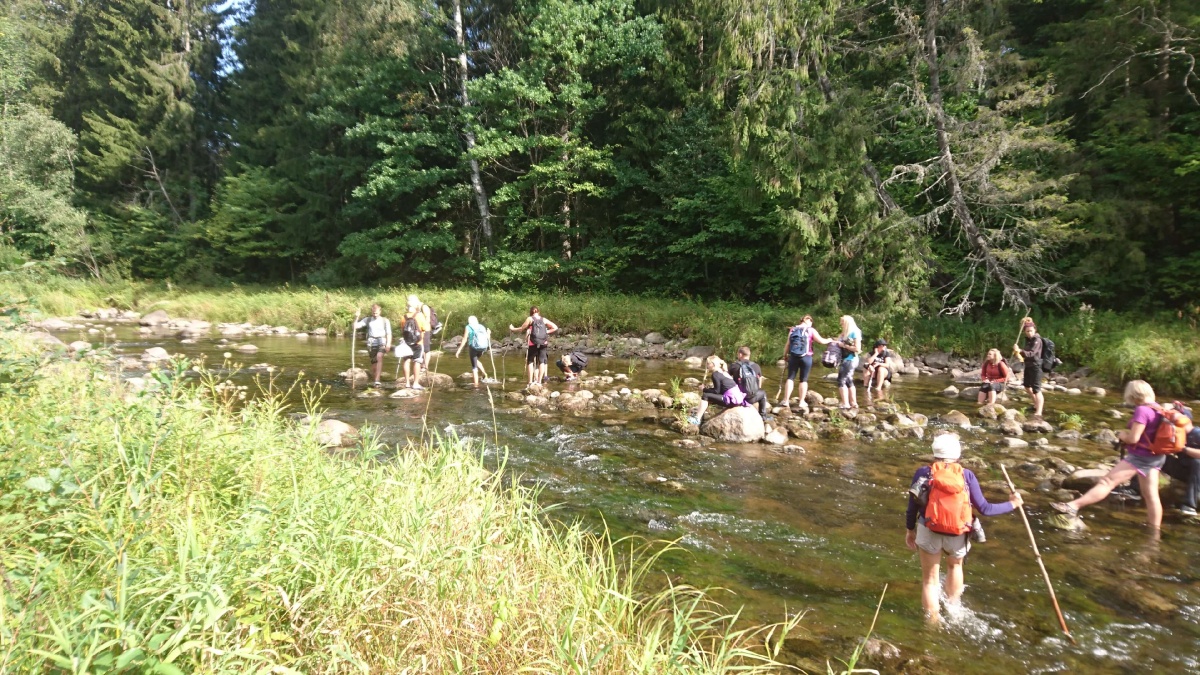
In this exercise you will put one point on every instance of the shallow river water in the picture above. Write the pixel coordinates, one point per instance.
(821, 531)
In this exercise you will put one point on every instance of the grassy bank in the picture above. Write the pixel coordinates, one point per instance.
(169, 532)
(1162, 349)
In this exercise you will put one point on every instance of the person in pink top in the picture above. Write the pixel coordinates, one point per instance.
(1138, 460)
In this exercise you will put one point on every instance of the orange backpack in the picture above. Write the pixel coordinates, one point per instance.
(1173, 428)
(949, 509)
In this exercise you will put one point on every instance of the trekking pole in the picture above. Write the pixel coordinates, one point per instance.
(1038, 556)
(1020, 332)
(441, 345)
(353, 335)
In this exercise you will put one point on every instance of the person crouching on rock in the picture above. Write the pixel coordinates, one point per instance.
(940, 521)
(572, 364)
(724, 391)
(749, 378)
(1138, 460)
(995, 373)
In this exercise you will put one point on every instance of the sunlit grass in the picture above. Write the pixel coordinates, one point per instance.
(172, 531)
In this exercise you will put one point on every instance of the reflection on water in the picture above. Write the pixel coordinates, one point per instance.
(822, 530)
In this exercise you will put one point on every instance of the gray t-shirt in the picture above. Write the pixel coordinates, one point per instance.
(379, 329)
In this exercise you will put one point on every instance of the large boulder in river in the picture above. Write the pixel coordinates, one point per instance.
(700, 352)
(991, 411)
(429, 379)
(155, 354)
(335, 433)
(55, 324)
(155, 318)
(956, 418)
(1084, 479)
(937, 360)
(738, 425)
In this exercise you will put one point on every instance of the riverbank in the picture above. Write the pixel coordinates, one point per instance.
(177, 528)
(1164, 350)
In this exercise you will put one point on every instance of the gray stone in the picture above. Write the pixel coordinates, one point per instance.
(991, 411)
(694, 362)
(1011, 428)
(78, 346)
(700, 352)
(815, 400)
(778, 436)
(1038, 427)
(1071, 435)
(55, 324)
(353, 373)
(937, 360)
(439, 380)
(910, 371)
(155, 318)
(634, 342)
(655, 339)
(1061, 521)
(1074, 391)
(155, 354)
(335, 433)
(247, 349)
(1096, 391)
(1010, 442)
(957, 419)
(739, 425)
(969, 393)
(950, 391)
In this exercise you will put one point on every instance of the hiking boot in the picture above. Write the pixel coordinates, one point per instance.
(1065, 508)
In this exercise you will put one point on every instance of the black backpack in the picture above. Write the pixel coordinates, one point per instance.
(1049, 360)
(749, 380)
(435, 326)
(578, 359)
(411, 333)
(538, 334)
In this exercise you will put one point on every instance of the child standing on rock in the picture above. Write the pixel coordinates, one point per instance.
(940, 521)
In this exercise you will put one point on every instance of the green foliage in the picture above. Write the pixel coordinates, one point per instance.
(179, 530)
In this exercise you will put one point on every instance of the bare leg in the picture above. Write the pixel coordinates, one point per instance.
(700, 409)
(804, 393)
(1154, 511)
(408, 367)
(1039, 400)
(378, 365)
(930, 591)
(954, 580)
(787, 393)
(1120, 473)
(853, 395)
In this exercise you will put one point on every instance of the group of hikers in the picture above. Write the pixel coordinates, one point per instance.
(940, 519)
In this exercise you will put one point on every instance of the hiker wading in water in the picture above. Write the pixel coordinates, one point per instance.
(940, 521)
(379, 338)
(538, 339)
(799, 351)
(1032, 376)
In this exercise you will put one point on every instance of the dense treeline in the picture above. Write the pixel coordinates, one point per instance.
(914, 155)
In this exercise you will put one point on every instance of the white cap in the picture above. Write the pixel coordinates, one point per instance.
(947, 446)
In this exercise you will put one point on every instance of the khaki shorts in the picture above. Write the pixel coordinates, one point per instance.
(936, 543)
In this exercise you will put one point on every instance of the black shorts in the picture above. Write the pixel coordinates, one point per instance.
(1032, 378)
(799, 364)
(376, 351)
(475, 354)
(997, 387)
(417, 352)
(537, 354)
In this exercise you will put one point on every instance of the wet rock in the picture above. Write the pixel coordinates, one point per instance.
(357, 374)
(901, 421)
(836, 433)
(1105, 437)
(335, 433)
(691, 382)
(1061, 521)
(1096, 391)
(614, 422)
(991, 411)
(1032, 471)
(665, 402)
(55, 324)
(974, 463)
(371, 393)
(515, 396)
(880, 652)
(1010, 442)
(694, 362)
(937, 360)
(957, 419)
(1071, 435)
(1038, 427)
(911, 432)
(815, 400)
(1058, 465)
(1061, 495)
(1083, 479)
(79, 346)
(655, 339)
(793, 450)
(405, 392)
(231, 329)
(686, 443)
(738, 425)
(778, 436)
(951, 391)
(919, 419)
(247, 349)
(1011, 428)
(155, 354)
(1074, 391)
(439, 380)
(700, 352)
(969, 393)
(534, 401)
(155, 318)
(129, 363)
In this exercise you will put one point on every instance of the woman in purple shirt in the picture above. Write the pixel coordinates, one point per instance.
(932, 545)
(1138, 460)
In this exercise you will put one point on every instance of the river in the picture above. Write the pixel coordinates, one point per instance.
(820, 531)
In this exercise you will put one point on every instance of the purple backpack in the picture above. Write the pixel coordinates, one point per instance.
(735, 397)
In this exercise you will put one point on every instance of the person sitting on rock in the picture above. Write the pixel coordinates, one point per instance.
(875, 369)
(724, 391)
(940, 521)
(1184, 466)
(748, 376)
(995, 374)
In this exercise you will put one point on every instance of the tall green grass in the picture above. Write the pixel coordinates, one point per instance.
(1163, 349)
(172, 531)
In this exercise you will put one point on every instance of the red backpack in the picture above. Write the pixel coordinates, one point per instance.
(1173, 428)
(949, 508)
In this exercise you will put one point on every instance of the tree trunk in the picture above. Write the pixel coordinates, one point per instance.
(481, 197)
(1013, 290)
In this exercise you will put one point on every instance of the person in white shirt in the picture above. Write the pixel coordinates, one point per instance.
(379, 337)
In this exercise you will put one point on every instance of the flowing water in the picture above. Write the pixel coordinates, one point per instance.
(821, 531)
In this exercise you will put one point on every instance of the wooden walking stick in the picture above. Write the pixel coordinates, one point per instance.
(1020, 332)
(1038, 556)
(353, 335)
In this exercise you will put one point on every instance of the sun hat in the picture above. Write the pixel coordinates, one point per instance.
(947, 446)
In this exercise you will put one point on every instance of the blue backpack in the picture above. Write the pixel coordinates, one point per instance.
(798, 340)
(478, 339)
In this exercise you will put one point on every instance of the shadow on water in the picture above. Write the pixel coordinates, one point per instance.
(822, 530)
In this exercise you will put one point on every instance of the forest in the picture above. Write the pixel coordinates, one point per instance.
(910, 156)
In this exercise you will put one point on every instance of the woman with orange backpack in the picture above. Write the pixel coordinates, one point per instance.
(1147, 443)
(940, 520)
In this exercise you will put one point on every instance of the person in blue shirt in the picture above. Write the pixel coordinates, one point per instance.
(851, 343)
